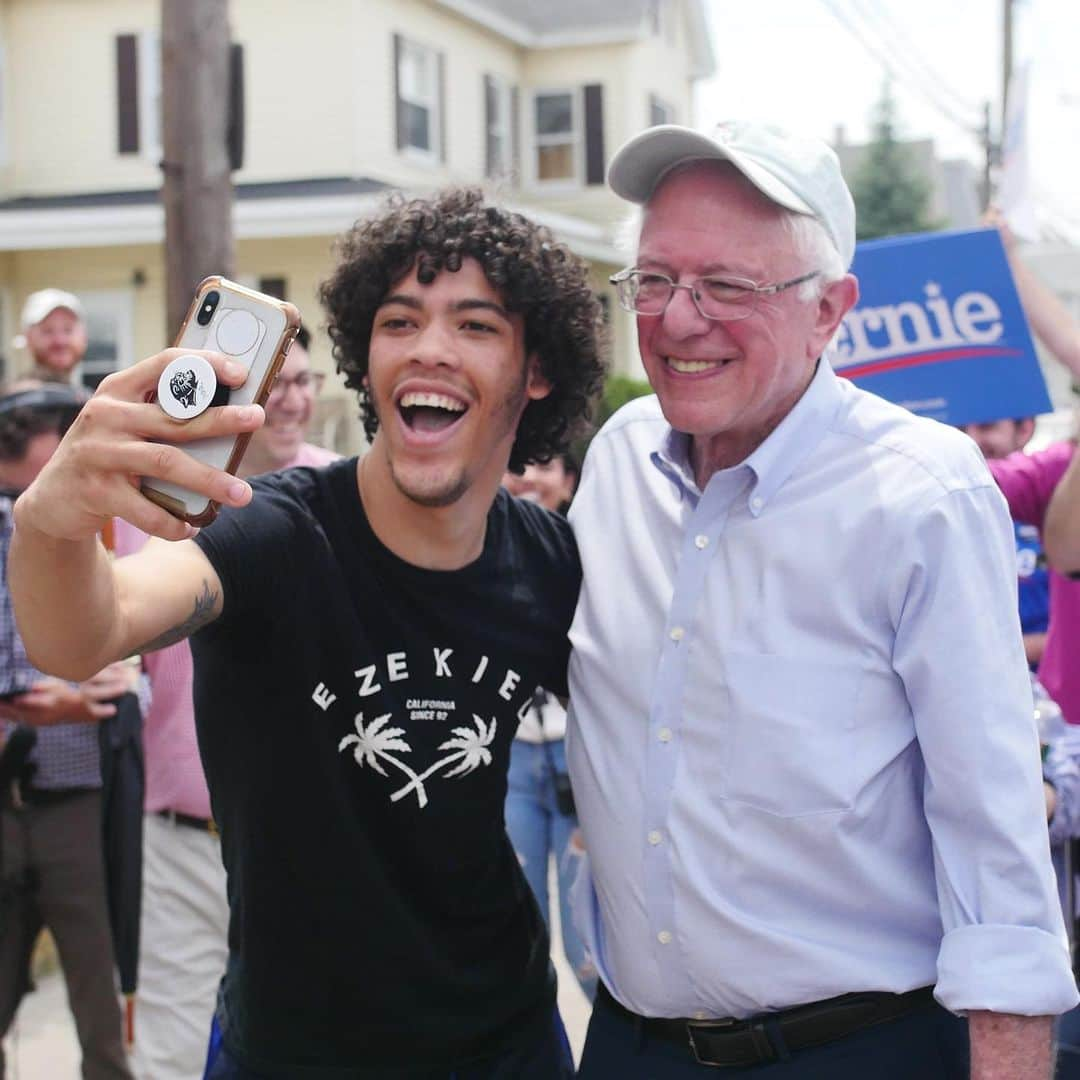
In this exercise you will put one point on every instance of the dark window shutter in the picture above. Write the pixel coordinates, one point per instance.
(515, 134)
(127, 94)
(234, 131)
(399, 112)
(441, 105)
(594, 134)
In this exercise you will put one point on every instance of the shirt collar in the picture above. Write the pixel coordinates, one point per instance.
(778, 456)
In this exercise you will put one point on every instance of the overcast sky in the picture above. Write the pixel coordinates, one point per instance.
(799, 63)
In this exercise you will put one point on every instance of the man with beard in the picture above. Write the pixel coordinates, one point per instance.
(54, 331)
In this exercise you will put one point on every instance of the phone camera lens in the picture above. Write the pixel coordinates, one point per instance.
(209, 306)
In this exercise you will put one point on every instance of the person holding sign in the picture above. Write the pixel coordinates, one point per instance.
(1063, 522)
(800, 731)
(1029, 483)
(366, 636)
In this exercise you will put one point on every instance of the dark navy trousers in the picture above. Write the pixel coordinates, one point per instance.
(928, 1044)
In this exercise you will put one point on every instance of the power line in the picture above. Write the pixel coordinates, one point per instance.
(893, 34)
(905, 76)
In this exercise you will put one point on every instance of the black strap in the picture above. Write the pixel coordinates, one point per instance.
(50, 396)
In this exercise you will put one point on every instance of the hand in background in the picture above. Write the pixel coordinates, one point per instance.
(111, 682)
(53, 701)
(994, 219)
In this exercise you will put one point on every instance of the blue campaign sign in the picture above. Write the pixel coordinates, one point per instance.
(939, 329)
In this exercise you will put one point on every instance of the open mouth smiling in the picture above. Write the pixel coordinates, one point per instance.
(428, 413)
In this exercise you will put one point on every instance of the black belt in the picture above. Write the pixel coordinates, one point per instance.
(203, 824)
(774, 1036)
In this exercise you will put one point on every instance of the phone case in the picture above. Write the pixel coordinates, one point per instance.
(253, 329)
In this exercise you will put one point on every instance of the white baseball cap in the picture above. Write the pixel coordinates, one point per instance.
(41, 304)
(798, 173)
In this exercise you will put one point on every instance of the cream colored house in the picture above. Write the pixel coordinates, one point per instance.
(343, 99)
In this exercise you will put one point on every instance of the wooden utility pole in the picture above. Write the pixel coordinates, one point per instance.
(993, 147)
(197, 185)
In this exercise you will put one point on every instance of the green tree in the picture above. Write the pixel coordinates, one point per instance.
(618, 390)
(891, 195)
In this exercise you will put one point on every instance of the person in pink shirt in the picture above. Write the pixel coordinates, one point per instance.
(1028, 482)
(1063, 523)
(185, 914)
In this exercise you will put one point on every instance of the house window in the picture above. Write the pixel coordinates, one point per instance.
(556, 124)
(274, 286)
(660, 112)
(498, 126)
(109, 318)
(418, 104)
(662, 19)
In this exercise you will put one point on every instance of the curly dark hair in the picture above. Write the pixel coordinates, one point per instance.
(534, 274)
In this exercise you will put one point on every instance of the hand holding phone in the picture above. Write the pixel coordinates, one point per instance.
(120, 436)
(255, 331)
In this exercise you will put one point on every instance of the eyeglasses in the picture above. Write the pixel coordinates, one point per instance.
(725, 299)
(306, 382)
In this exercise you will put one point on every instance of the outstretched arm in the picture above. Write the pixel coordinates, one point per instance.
(77, 609)
(1050, 319)
(1061, 529)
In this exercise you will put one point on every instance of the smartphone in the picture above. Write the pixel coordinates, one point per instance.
(252, 329)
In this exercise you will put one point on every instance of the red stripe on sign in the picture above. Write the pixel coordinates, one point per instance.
(876, 367)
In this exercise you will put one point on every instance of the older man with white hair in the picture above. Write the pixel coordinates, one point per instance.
(801, 732)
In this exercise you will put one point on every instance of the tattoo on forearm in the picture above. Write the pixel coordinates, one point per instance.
(201, 615)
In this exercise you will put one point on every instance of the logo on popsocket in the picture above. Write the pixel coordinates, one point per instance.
(186, 387)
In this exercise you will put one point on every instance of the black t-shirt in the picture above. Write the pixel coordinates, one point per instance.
(355, 715)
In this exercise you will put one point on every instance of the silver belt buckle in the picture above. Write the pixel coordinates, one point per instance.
(707, 1025)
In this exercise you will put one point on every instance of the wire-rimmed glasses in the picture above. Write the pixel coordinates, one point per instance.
(307, 382)
(725, 299)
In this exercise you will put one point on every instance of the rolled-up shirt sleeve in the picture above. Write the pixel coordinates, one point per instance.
(1004, 947)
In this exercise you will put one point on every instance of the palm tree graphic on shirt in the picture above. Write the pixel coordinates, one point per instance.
(376, 744)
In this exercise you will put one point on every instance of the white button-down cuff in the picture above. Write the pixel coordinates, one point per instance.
(1006, 969)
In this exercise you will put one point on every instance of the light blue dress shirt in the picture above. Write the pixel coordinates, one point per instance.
(801, 733)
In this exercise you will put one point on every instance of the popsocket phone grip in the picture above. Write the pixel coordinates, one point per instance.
(186, 387)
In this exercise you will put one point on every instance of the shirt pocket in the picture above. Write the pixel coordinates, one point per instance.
(790, 725)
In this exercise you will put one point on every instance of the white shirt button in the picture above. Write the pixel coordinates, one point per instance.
(655, 837)
(701, 542)
(755, 503)
(676, 633)
(664, 734)
(664, 937)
